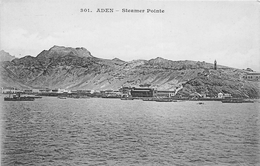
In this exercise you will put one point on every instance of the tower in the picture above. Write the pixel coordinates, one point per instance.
(215, 65)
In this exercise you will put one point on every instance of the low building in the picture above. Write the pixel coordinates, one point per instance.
(227, 95)
(28, 91)
(10, 90)
(252, 76)
(84, 91)
(35, 90)
(220, 95)
(126, 91)
(113, 94)
(74, 91)
(45, 90)
(109, 90)
(164, 94)
(55, 90)
(204, 95)
(224, 96)
(63, 91)
(142, 92)
(7, 90)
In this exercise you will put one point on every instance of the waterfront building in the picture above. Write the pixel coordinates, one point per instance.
(10, 90)
(220, 95)
(204, 95)
(165, 93)
(74, 91)
(28, 91)
(45, 90)
(55, 90)
(252, 76)
(224, 96)
(227, 95)
(84, 91)
(126, 91)
(62, 91)
(142, 92)
(35, 90)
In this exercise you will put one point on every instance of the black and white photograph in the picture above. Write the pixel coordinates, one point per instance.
(130, 82)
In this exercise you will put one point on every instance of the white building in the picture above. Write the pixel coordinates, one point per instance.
(252, 76)
(63, 91)
(222, 96)
(10, 90)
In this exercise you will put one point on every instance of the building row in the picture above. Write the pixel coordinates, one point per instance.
(29, 91)
(122, 92)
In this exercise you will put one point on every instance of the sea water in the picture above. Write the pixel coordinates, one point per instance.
(52, 131)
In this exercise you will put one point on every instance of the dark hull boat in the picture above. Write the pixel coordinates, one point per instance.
(237, 101)
(61, 97)
(164, 100)
(232, 101)
(18, 99)
(37, 97)
(127, 98)
(248, 101)
(149, 99)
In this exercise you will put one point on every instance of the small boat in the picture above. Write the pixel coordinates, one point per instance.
(61, 97)
(149, 99)
(37, 97)
(248, 101)
(164, 100)
(111, 97)
(127, 98)
(200, 103)
(18, 97)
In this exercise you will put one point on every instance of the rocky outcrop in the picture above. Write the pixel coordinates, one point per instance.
(225, 81)
(76, 68)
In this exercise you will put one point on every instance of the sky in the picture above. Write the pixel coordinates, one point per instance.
(228, 31)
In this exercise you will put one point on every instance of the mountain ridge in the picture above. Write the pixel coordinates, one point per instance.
(76, 68)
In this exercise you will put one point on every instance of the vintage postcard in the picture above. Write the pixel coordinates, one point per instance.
(130, 82)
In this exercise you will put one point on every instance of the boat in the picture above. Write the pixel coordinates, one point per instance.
(61, 97)
(111, 97)
(200, 103)
(18, 97)
(149, 99)
(37, 97)
(164, 100)
(248, 101)
(127, 98)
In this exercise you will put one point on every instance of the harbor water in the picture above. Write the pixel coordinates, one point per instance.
(51, 131)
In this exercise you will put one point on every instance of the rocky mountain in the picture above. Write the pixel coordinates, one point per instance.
(76, 68)
(5, 56)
